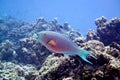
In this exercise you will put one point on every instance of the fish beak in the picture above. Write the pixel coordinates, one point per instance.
(37, 36)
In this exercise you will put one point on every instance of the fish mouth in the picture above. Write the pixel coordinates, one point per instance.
(37, 36)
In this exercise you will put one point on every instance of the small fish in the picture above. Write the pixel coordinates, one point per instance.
(58, 43)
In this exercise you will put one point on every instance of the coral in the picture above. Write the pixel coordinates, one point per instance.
(31, 52)
(115, 50)
(79, 41)
(22, 51)
(14, 30)
(94, 44)
(12, 71)
(7, 51)
(19, 32)
(107, 29)
(59, 68)
(105, 66)
(26, 49)
(92, 35)
(115, 45)
(41, 24)
(7, 24)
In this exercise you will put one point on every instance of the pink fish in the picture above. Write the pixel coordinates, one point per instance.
(58, 43)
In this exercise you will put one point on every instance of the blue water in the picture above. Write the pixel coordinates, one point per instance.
(80, 14)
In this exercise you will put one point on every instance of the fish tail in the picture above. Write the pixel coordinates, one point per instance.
(84, 53)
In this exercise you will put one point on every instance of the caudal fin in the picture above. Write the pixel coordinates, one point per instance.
(84, 53)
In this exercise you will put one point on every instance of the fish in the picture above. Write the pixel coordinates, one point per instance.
(59, 43)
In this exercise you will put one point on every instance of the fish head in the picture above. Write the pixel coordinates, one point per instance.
(44, 37)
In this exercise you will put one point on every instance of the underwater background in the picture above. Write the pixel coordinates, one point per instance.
(80, 14)
(92, 25)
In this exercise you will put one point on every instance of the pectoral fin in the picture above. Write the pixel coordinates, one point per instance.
(52, 43)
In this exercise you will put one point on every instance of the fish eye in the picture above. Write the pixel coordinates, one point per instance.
(45, 34)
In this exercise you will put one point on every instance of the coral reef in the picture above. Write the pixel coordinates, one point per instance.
(25, 48)
(105, 66)
(7, 25)
(31, 52)
(107, 29)
(7, 51)
(12, 71)
(92, 35)
(41, 24)
(59, 68)
(14, 29)
(23, 58)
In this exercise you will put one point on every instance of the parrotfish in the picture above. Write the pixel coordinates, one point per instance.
(59, 43)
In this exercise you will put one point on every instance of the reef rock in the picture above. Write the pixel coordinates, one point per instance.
(94, 44)
(14, 30)
(7, 51)
(41, 24)
(12, 71)
(18, 46)
(92, 35)
(105, 66)
(9, 28)
(79, 41)
(24, 48)
(108, 31)
(31, 52)
(59, 68)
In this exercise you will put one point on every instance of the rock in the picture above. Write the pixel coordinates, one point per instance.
(25, 47)
(73, 34)
(7, 51)
(100, 21)
(92, 35)
(23, 57)
(79, 41)
(108, 31)
(12, 71)
(31, 52)
(59, 68)
(105, 66)
(14, 30)
(67, 27)
(7, 24)
(115, 45)
(94, 44)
